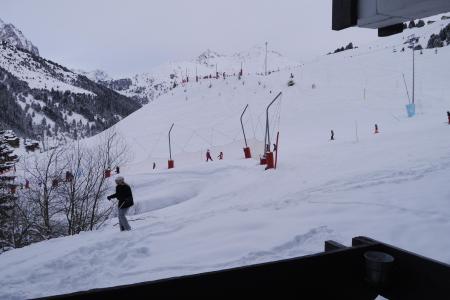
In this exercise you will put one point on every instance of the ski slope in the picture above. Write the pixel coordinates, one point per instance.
(392, 186)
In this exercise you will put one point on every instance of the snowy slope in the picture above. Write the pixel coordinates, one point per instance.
(206, 216)
(159, 80)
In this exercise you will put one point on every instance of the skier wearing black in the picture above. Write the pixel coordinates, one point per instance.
(332, 135)
(448, 116)
(208, 156)
(125, 197)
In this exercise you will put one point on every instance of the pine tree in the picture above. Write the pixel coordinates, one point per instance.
(421, 23)
(7, 200)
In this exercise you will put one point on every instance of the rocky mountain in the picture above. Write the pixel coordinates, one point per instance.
(13, 36)
(39, 98)
(96, 75)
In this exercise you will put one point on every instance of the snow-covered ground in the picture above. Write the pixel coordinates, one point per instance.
(392, 186)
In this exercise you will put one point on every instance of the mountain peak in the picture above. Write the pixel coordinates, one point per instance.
(95, 75)
(207, 55)
(10, 34)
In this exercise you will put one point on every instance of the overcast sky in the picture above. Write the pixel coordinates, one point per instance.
(125, 37)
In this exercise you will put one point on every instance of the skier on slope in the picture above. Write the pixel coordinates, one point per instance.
(220, 157)
(376, 129)
(125, 197)
(448, 116)
(208, 156)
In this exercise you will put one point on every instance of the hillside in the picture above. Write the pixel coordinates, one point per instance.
(54, 101)
(391, 186)
(160, 80)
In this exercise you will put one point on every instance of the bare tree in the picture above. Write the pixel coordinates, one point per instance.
(45, 172)
(66, 194)
(85, 207)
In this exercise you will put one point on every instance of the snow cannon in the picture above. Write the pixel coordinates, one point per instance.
(269, 154)
(247, 153)
(170, 164)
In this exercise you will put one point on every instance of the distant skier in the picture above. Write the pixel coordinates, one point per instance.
(117, 170)
(154, 165)
(448, 116)
(125, 197)
(27, 184)
(376, 129)
(332, 135)
(208, 156)
(220, 157)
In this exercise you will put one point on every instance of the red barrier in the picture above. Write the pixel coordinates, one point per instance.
(247, 153)
(171, 164)
(263, 161)
(270, 161)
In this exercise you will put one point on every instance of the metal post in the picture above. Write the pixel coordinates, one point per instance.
(242, 124)
(414, 75)
(406, 88)
(267, 137)
(265, 63)
(170, 145)
(276, 154)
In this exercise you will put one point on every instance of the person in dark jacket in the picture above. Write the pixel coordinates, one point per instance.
(125, 197)
(208, 156)
(448, 116)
